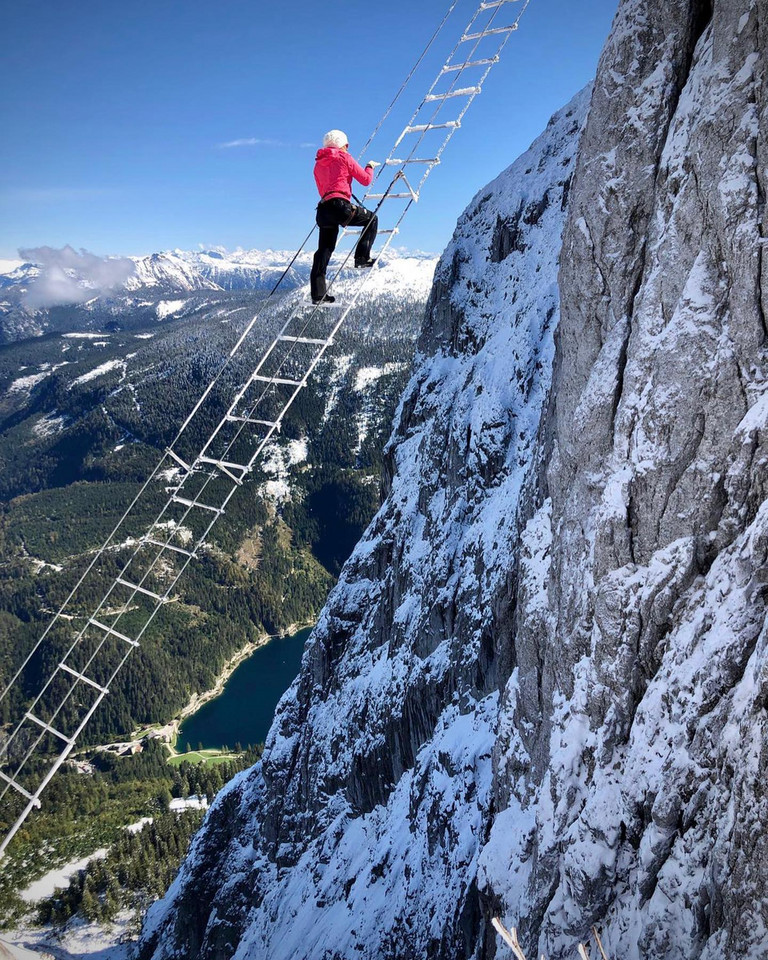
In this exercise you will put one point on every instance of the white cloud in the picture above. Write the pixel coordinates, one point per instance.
(67, 276)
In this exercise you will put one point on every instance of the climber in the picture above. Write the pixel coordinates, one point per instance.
(334, 172)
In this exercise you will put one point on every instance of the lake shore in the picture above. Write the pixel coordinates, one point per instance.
(169, 733)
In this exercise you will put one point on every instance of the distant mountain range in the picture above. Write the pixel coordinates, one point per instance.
(160, 285)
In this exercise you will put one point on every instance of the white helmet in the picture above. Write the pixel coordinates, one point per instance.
(335, 138)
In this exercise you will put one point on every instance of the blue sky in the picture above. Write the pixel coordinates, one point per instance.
(114, 115)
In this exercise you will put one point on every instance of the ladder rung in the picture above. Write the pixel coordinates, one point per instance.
(185, 466)
(423, 127)
(82, 676)
(280, 380)
(397, 163)
(147, 593)
(223, 463)
(314, 340)
(18, 786)
(495, 3)
(225, 467)
(487, 33)
(484, 62)
(354, 230)
(115, 633)
(196, 503)
(336, 305)
(48, 727)
(392, 196)
(236, 418)
(466, 92)
(168, 546)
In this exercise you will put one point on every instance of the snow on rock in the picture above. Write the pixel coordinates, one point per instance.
(26, 384)
(366, 376)
(631, 760)
(85, 336)
(58, 879)
(99, 371)
(277, 460)
(178, 804)
(167, 308)
(9, 266)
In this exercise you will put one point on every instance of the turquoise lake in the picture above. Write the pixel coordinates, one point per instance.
(244, 711)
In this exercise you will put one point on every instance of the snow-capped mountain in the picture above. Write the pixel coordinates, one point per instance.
(219, 270)
(539, 689)
(180, 278)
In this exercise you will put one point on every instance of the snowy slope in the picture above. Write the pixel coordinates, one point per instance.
(365, 821)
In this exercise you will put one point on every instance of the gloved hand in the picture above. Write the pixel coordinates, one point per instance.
(373, 163)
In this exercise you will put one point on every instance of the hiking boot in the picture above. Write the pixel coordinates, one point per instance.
(325, 299)
(365, 263)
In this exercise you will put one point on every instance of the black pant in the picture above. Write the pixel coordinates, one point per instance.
(332, 214)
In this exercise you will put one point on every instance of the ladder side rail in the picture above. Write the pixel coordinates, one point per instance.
(4, 747)
(439, 105)
(493, 61)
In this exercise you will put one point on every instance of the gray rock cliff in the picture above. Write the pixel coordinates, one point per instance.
(539, 689)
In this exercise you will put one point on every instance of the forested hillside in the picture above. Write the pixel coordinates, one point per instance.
(83, 420)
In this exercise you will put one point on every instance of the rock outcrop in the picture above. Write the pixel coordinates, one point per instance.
(539, 689)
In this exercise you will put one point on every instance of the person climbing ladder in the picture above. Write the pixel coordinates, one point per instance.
(334, 171)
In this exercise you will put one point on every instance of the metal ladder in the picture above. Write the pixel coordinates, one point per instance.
(203, 478)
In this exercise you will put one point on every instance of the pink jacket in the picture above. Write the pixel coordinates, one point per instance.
(334, 171)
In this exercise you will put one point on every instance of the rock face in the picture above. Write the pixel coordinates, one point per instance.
(631, 759)
(540, 688)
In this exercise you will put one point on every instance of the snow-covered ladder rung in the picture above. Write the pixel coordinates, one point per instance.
(423, 127)
(271, 424)
(495, 3)
(81, 676)
(397, 163)
(182, 463)
(283, 381)
(196, 503)
(487, 33)
(464, 92)
(137, 588)
(392, 196)
(111, 630)
(483, 62)
(317, 341)
(18, 786)
(225, 466)
(164, 545)
(47, 727)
